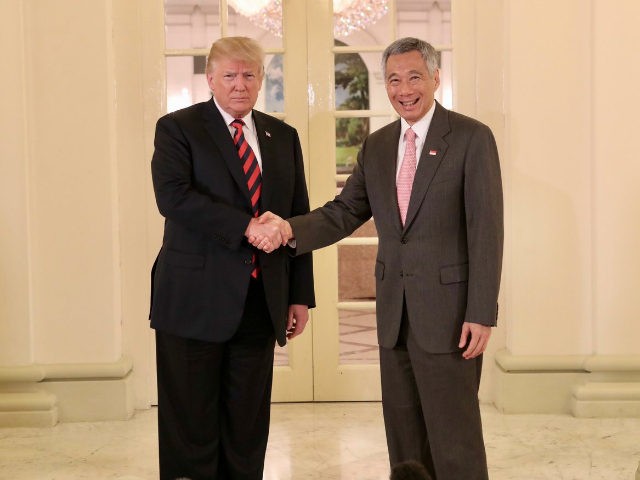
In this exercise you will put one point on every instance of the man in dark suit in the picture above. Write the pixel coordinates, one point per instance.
(432, 183)
(218, 303)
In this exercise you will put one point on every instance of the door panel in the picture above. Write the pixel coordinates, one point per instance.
(328, 84)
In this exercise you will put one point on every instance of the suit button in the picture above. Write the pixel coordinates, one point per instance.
(403, 241)
(401, 273)
(247, 261)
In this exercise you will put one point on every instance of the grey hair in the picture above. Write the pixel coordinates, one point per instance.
(410, 44)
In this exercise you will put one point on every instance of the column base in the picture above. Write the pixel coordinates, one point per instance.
(42, 395)
(584, 386)
(606, 399)
(28, 409)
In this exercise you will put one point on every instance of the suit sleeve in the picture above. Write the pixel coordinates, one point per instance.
(301, 289)
(484, 220)
(338, 218)
(177, 198)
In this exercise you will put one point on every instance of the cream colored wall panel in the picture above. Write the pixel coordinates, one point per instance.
(489, 109)
(478, 43)
(463, 37)
(154, 99)
(549, 152)
(134, 182)
(15, 339)
(616, 74)
(74, 248)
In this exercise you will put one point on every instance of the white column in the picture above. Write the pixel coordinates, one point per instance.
(571, 102)
(75, 191)
(15, 311)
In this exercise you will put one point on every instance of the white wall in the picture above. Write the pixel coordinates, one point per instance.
(75, 191)
(570, 104)
(15, 319)
(615, 98)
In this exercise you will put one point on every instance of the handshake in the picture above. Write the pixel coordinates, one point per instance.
(268, 232)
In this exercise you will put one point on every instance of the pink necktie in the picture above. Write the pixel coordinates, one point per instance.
(407, 173)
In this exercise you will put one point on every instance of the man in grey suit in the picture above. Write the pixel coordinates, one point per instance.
(432, 183)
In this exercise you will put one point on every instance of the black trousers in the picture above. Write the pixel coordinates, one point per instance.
(214, 400)
(431, 409)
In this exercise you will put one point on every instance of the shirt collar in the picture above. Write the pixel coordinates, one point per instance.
(247, 119)
(421, 127)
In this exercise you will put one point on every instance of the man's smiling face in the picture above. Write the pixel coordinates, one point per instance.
(409, 86)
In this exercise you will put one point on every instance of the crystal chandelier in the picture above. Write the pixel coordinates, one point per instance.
(348, 15)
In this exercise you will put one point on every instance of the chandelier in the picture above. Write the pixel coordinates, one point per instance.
(348, 15)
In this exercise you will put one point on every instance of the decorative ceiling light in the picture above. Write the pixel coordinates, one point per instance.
(249, 8)
(352, 15)
(348, 15)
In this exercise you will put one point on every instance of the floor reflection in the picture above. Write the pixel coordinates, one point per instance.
(330, 441)
(358, 341)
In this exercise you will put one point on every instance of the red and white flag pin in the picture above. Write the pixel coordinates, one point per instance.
(433, 152)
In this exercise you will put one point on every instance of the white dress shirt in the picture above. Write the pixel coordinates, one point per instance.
(420, 128)
(249, 131)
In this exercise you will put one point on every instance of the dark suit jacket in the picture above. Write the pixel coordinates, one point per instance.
(201, 276)
(447, 259)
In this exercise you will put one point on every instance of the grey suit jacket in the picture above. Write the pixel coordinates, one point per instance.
(446, 261)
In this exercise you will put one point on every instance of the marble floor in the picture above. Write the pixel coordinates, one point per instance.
(330, 441)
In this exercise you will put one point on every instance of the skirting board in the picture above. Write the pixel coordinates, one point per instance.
(42, 395)
(581, 385)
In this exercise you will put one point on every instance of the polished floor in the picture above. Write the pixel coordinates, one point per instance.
(358, 340)
(330, 441)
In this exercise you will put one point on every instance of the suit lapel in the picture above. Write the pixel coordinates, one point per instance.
(219, 133)
(388, 159)
(433, 152)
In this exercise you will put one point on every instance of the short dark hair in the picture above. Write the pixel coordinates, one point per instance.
(411, 44)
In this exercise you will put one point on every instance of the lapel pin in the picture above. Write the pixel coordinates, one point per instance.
(433, 152)
(268, 134)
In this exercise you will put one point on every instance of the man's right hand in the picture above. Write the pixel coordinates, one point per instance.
(264, 235)
(271, 220)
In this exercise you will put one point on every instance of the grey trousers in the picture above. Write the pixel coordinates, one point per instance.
(431, 410)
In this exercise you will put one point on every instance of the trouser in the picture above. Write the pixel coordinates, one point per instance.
(431, 410)
(214, 400)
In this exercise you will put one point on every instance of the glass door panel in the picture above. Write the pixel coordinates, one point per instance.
(345, 339)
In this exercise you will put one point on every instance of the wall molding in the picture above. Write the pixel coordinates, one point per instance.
(42, 395)
(581, 385)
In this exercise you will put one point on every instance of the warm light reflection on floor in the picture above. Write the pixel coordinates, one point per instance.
(330, 441)
(358, 341)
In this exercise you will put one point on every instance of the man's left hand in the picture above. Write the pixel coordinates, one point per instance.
(479, 339)
(297, 320)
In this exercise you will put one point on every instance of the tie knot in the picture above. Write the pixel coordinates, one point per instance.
(237, 123)
(409, 135)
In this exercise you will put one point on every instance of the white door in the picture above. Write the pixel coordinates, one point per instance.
(323, 76)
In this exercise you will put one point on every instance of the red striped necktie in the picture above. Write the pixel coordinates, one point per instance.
(252, 174)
